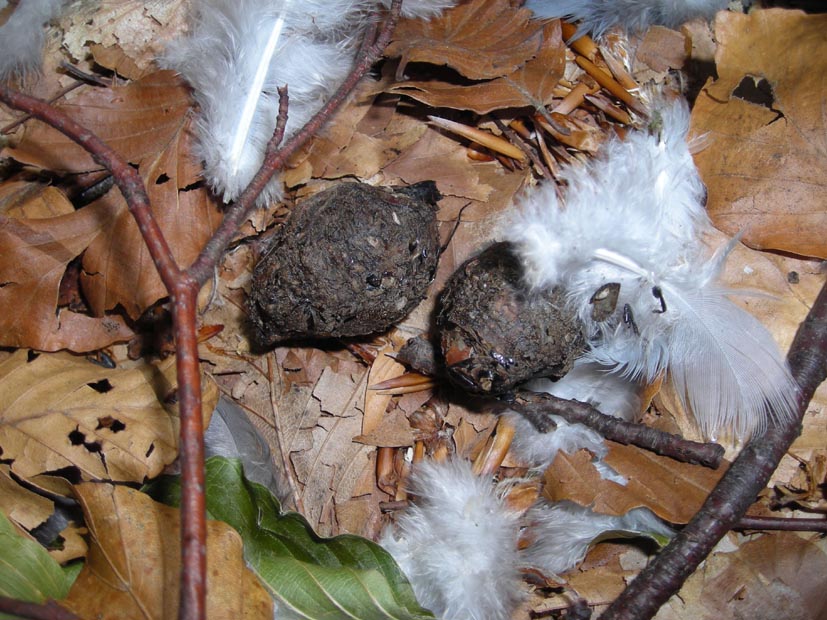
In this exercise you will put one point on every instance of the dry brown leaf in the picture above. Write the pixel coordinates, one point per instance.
(141, 28)
(383, 368)
(765, 125)
(530, 85)
(133, 567)
(115, 59)
(34, 254)
(481, 39)
(662, 49)
(117, 268)
(778, 575)
(672, 490)
(137, 120)
(58, 410)
(32, 201)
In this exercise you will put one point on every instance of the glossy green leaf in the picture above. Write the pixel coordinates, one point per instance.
(309, 576)
(27, 571)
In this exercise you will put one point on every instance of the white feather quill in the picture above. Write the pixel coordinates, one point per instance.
(239, 52)
(457, 544)
(22, 36)
(562, 532)
(597, 16)
(422, 9)
(633, 218)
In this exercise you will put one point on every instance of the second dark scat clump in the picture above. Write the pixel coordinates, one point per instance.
(351, 260)
(496, 333)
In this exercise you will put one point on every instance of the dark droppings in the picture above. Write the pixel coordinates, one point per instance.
(495, 332)
(351, 260)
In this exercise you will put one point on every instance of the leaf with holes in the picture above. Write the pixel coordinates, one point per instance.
(345, 577)
(134, 565)
(766, 136)
(40, 235)
(59, 411)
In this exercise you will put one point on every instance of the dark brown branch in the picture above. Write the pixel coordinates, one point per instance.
(127, 178)
(274, 160)
(782, 524)
(46, 611)
(737, 490)
(538, 407)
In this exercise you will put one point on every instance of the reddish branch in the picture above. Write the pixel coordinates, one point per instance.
(183, 286)
(782, 524)
(737, 490)
(539, 406)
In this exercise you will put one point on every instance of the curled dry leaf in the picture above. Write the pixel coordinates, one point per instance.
(61, 411)
(778, 575)
(133, 567)
(672, 490)
(137, 120)
(481, 39)
(117, 268)
(34, 254)
(765, 130)
(528, 85)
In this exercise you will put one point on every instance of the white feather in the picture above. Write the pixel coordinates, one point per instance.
(597, 16)
(457, 544)
(634, 217)
(562, 532)
(22, 36)
(422, 9)
(238, 53)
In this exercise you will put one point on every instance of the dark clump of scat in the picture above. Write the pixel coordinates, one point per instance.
(350, 261)
(495, 332)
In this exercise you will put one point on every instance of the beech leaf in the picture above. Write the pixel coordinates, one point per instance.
(481, 39)
(529, 85)
(137, 120)
(346, 577)
(766, 139)
(34, 253)
(59, 410)
(133, 569)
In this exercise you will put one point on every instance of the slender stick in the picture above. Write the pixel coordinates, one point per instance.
(746, 478)
(126, 177)
(46, 611)
(782, 524)
(538, 407)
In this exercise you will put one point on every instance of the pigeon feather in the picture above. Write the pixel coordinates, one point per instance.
(22, 36)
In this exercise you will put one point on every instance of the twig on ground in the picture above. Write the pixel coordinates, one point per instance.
(46, 611)
(537, 407)
(738, 488)
(782, 524)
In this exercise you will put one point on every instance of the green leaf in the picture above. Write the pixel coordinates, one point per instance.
(27, 571)
(309, 576)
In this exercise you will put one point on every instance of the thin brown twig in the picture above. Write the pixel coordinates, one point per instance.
(35, 611)
(537, 407)
(789, 524)
(736, 491)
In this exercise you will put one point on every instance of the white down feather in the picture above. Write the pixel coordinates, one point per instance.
(634, 216)
(23, 34)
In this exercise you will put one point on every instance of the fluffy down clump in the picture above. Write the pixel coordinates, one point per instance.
(597, 16)
(627, 247)
(457, 544)
(562, 532)
(22, 36)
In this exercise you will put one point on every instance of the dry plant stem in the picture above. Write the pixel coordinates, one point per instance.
(746, 478)
(183, 291)
(46, 611)
(539, 406)
(275, 158)
(782, 524)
